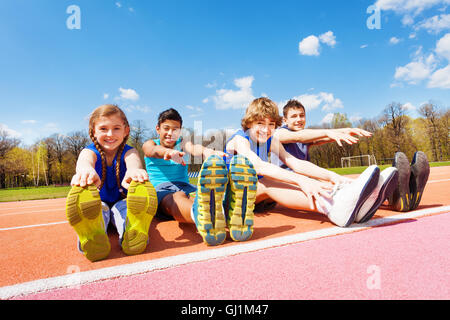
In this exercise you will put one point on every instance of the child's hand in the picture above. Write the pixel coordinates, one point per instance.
(139, 175)
(175, 155)
(315, 190)
(211, 152)
(86, 176)
(338, 179)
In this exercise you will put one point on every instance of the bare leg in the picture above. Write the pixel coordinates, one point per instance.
(178, 205)
(287, 195)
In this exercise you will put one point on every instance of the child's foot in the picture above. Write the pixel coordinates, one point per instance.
(243, 180)
(84, 212)
(141, 208)
(386, 184)
(207, 209)
(348, 200)
(420, 170)
(399, 200)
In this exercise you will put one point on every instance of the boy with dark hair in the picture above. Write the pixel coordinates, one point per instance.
(167, 170)
(297, 140)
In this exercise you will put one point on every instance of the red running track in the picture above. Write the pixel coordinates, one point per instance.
(407, 260)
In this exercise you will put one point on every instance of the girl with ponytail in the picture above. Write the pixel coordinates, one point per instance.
(110, 184)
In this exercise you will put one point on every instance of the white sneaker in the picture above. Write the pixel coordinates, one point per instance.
(348, 200)
(386, 185)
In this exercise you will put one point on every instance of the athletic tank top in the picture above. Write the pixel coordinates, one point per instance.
(297, 149)
(262, 150)
(110, 192)
(160, 170)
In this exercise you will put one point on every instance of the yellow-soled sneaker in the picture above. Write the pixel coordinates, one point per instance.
(207, 209)
(141, 208)
(243, 183)
(84, 213)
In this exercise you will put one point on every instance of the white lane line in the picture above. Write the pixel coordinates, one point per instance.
(35, 211)
(81, 278)
(33, 226)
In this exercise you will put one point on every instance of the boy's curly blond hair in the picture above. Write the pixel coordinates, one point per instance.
(261, 108)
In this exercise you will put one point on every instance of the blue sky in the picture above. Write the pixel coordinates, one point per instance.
(210, 58)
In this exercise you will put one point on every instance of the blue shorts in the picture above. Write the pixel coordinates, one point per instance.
(166, 188)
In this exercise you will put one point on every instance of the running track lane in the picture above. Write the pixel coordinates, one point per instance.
(407, 260)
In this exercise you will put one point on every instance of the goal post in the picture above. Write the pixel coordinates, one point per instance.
(358, 161)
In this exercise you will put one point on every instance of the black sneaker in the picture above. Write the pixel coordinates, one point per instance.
(420, 170)
(400, 198)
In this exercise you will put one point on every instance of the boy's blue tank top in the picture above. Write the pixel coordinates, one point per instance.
(110, 191)
(160, 170)
(297, 149)
(262, 150)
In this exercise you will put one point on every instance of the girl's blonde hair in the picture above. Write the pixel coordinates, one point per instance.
(261, 108)
(108, 110)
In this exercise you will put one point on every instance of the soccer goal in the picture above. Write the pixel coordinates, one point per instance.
(358, 161)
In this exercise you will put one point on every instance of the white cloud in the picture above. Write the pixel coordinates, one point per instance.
(132, 108)
(105, 96)
(394, 40)
(309, 46)
(443, 47)
(10, 132)
(428, 67)
(440, 78)
(355, 118)
(325, 100)
(408, 106)
(364, 46)
(417, 70)
(328, 38)
(435, 24)
(407, 20)
(328, 118)
(128, 94)
(118, 4)
(235, 99)
(409, 6)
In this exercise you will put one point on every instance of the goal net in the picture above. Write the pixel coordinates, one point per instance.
(364, 160)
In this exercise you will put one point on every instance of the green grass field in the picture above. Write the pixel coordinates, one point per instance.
(22, 194)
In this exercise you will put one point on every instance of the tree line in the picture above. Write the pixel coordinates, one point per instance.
(51, 161)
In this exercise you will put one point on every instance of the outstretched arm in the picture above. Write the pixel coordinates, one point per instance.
(85, 173)
(319, 136)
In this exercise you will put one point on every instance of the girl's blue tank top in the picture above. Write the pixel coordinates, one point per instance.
(110, 192)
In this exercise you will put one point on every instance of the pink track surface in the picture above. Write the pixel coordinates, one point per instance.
(407, 260)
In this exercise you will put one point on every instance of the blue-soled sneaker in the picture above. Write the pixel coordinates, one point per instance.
(207, 209)
(242, 194)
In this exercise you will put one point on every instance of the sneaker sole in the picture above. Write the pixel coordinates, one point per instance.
(368, 188)
(399, 200)
(211, 191)
(387, 189)
(84, 213)
(142, 203)
(420, 171)
(243, 184)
